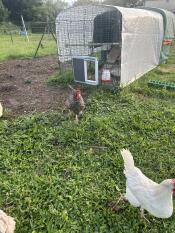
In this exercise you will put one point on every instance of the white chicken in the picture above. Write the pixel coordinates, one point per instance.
(7, 223)
(142, 192)
(1, 110)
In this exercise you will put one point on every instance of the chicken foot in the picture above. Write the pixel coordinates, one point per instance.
(121, 198)
(114, 205)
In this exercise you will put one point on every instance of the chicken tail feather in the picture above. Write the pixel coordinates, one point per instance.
(128, 159)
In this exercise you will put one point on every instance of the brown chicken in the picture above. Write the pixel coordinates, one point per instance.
(75, 102)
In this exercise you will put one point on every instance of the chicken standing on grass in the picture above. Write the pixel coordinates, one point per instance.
(142, 192)
(75, 102)
(7, 223)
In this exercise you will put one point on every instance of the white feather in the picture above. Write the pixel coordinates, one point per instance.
(131, 198)
(142, 191)
(7, 223)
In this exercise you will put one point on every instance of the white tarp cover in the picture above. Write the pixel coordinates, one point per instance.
(169, 34)
(170, 24)
(142, 35)
(169, 31)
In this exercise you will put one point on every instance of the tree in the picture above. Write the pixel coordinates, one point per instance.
(126, 3)
(28, 8)
(52, 8)
(3, 12)
(135, 3)
(81, 2)
(33, 10)
(115, 2)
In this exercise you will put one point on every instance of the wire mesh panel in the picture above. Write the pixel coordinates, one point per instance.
(14, 43)
(78, 29)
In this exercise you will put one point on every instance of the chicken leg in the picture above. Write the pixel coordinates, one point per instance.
(121, 198)
(142, 215)
(76, 119)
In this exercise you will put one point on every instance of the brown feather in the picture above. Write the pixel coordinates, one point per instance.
(75, 105)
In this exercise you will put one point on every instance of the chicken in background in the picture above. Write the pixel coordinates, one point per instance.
(142, 192)
(1, 110)
(7, 223)
(75, 102)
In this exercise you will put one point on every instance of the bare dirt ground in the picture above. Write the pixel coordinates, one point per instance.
(23, 86)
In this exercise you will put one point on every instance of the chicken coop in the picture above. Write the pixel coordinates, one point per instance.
(124, 43)
(169, 31)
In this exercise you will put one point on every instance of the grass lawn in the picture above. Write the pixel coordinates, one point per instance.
(20, 48)
(53, 181)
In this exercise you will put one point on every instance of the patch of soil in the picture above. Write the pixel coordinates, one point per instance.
(23, 86)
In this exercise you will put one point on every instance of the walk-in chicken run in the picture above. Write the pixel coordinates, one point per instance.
(109, 44)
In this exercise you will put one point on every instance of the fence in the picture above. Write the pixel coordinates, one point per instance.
(14, 42)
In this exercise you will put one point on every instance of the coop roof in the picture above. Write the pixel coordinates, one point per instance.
(82, 12)
(169, 21)
(169, 30)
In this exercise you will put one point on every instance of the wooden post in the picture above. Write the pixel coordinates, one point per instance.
(53, 35)
(40, 41)
(11, 37)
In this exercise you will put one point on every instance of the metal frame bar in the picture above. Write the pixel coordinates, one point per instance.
(93, 44)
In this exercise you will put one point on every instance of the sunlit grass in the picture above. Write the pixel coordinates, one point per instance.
(53, 179)
(21, 48)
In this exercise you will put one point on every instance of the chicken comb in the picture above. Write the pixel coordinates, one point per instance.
(78, 89)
